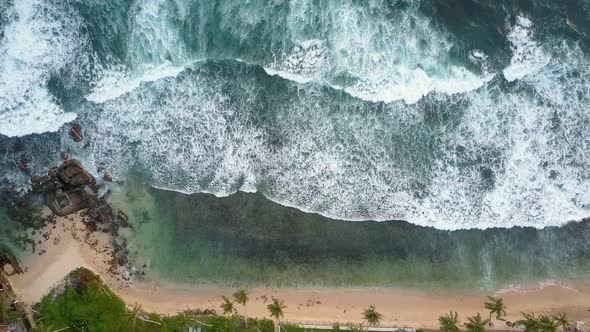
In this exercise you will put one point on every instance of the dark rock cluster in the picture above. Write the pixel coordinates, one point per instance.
(76, 132)
(68, 188)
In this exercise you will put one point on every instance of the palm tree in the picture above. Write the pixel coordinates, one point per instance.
(41, 327)
(4, 314)
(133, 315)
(476, 323)
(136, 313)
(495, 306)
(184, 320)
(561, 319)
(371, 316)
(449, 322)
(241, 297)
(547, 324)
(276, 309)
(227, 306)
(529, 321)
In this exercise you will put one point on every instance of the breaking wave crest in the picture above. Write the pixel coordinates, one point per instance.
(371, 110)
(39, 40)
(447, 161)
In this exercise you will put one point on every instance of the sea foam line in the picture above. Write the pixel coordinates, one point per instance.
(418, 87)
(116, 83)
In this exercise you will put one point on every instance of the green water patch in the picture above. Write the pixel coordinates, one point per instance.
(246, 239)
(18, 222)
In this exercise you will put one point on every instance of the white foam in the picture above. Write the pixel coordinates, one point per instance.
(310, 61)
(155, 50)
(417, 85)
(154, 38)
(115, 83)
(540, 285)
(288, 76)
(490, 157)
(527, 55)
(359, 165)
(33, 47)
(390, 56)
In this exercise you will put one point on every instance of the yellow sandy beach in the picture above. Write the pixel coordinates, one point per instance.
(68, 248)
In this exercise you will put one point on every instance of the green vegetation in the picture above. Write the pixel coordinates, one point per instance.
(449, 322)
(544, 323)
(276, 309)
(84, 303)
(4, 312)
(227, 306)
(496, 306)
(563, 321)
(371, 316)
(241, 297)
(476, 323)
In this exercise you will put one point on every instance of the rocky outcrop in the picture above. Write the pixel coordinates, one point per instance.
(107, 176)
(76, 132)
(103, 169)
(123, 218)
(72, 173)
(68, 188)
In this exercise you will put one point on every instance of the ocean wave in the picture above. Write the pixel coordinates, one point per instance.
(39, 40)
(354, 111)
(417, 85)
(528, 56)
(116, 82)
(449, 162)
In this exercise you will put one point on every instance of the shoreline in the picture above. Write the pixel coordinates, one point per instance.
(75, 247)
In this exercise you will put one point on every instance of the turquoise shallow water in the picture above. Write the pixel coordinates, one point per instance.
(245, 239)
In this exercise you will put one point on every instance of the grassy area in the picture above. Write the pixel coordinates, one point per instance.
(85, 303)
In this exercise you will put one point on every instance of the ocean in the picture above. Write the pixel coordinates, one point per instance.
(247, 240)
(451, 135)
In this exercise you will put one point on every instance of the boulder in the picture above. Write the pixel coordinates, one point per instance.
(122, 260)
(67, 188)
(76, 132)
(65, 155)
(71, 172)
(63, 203)
(123, 218)
(107, 176)
(38, 182)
